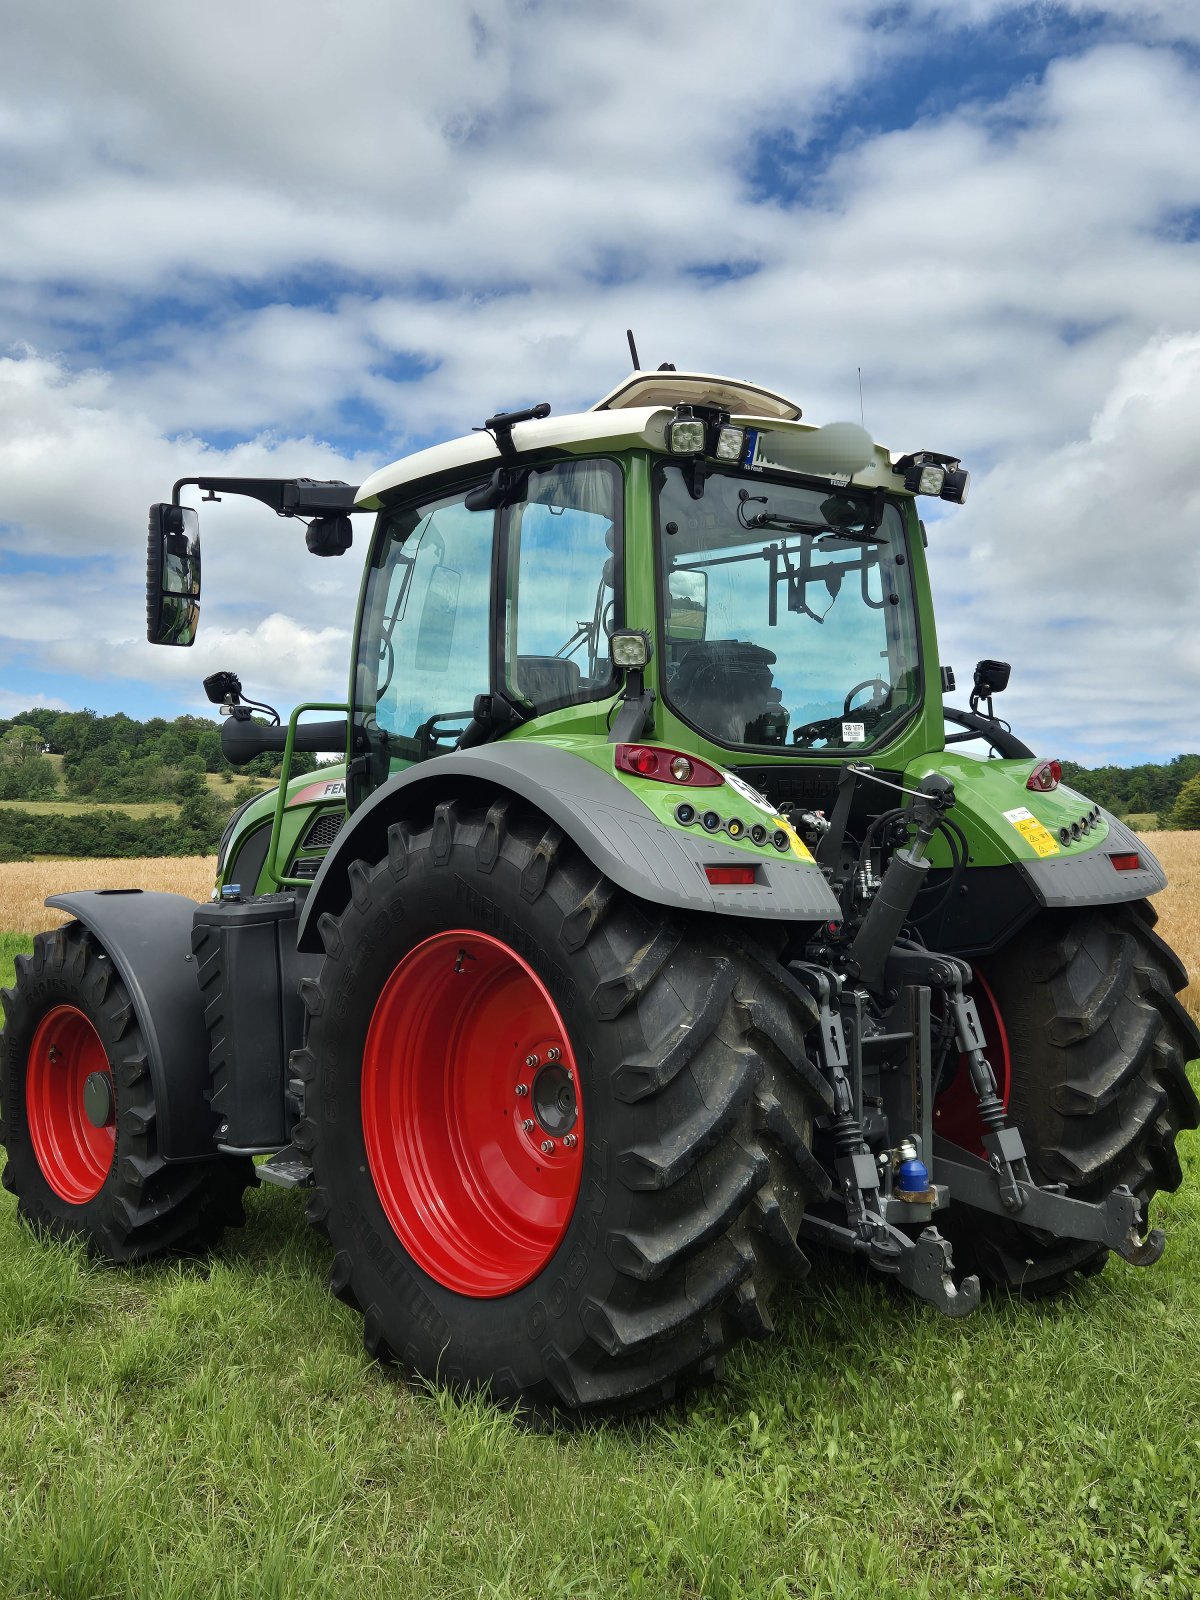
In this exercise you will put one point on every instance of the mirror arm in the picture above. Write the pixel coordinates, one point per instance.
(288, 497)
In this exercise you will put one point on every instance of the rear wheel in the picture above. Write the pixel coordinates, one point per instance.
(561, 1138)
(1082, 1019)
(79, 1114)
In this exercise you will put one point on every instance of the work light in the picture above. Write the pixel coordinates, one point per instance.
(630, 648)
(729, 443)
(685, 433)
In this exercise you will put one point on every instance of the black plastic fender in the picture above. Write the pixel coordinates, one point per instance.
(619, 835)
(147, 936)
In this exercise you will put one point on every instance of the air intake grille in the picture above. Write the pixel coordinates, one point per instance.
(323, 831)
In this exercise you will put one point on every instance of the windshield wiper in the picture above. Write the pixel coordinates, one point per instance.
(778, 523)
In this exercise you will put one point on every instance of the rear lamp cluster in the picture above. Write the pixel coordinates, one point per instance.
(714, 822)
(666, 766)
(1045, 776)
(1071, 834)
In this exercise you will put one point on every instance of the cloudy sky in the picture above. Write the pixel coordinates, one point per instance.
(300, 237)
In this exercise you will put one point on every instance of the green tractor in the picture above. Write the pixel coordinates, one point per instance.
(652, 933)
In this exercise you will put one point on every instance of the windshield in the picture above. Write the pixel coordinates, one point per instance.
(789, 612)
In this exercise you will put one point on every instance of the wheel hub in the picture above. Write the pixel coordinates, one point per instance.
(472, 1115)
(70, 1105)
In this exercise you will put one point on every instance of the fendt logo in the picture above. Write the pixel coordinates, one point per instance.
(334, 790)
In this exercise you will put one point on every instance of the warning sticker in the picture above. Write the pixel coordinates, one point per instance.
(1028, 826)
(797, 843)
(854, 732)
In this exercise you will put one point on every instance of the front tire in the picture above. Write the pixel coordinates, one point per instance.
(1097, 1051)
(624, 1268)
(80, 1117)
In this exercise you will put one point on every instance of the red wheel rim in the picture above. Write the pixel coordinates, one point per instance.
(472, 1116)
(75, 1154)
(956, 1110)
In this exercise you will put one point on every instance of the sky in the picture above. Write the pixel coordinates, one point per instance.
(307, 238)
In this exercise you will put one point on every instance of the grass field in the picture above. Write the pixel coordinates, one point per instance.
(213, 1429)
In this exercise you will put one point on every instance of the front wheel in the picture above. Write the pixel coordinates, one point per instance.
(80, 1117)
(1086, 1036)
(560, 1137)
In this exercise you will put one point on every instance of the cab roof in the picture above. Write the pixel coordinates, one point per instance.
(633, 415)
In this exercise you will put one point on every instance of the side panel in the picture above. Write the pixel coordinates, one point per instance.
(617, 833)
(148, 939)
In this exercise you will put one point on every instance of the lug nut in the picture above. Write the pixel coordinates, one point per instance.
(528, 1125)
(531, 1061)
(522, 1088)
(547, 1146)
(554, 1053)
(570, 1141)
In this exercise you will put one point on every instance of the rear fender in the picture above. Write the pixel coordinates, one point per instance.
(618, 834)
(147, 937)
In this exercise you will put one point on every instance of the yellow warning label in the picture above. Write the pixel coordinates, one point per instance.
(1039, 836)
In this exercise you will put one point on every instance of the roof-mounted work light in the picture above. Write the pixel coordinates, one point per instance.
(704, 431)
(926, 472)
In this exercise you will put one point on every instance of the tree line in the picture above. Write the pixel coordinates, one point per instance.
(121, 760)
(116, 758)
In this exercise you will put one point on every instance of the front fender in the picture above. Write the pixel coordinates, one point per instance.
(618, 834)
(148, 938)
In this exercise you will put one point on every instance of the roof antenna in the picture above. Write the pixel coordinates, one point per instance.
(637, 365)
(861, 414)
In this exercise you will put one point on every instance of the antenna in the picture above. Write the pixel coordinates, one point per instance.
(637, 365)
(861, 414)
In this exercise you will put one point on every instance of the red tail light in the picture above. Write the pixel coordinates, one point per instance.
(1045, 776)
(1127, 861)
(667, 766)
(732, 875)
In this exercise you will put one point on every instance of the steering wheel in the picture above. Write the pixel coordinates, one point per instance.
(883, 693)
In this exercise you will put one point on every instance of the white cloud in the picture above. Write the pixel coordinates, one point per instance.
(1082, 566)
(244, 220)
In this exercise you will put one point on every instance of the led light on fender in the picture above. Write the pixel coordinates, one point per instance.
(729, 443)
(1126, 861)
(931, 480)
(732, 876)
(1045, 776)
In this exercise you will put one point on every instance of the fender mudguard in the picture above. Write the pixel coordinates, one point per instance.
(620, 837)
(148, 938)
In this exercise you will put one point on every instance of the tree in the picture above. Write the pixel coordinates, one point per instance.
(25, 773)
(1186, 812)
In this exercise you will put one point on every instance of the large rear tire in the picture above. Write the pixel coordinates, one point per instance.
(1097, 1051)
(79, 1115)
(561, 1137)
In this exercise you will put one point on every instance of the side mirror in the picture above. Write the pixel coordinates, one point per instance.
(173, 575)
(329, 536)
(687, 616)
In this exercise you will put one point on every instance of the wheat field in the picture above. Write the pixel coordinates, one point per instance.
(25, 884)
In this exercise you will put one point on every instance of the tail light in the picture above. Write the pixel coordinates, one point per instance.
(1126, 861)
(667, 766)
(1045, 776)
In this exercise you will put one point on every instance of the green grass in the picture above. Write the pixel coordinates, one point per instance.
(71, 808)
(214, 1429)
(12, 944)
